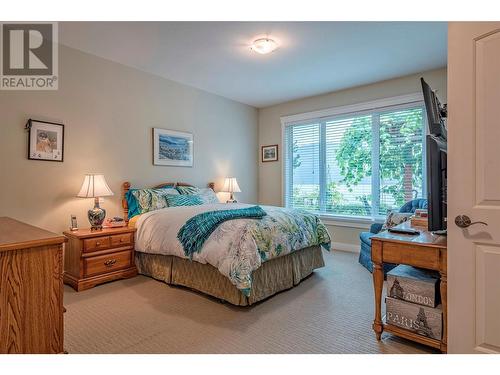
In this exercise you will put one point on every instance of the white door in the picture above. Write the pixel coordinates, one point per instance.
(474, 187)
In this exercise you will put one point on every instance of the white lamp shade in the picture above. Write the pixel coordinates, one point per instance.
(231, 185)
(94, 185)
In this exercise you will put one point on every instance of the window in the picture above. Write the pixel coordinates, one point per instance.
(357, 164)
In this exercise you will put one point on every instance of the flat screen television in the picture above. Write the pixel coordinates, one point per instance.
(436, 183)
(436, 112)
(436, 160)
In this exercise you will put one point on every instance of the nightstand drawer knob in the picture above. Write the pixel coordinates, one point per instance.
(110, 262)
(98, 243)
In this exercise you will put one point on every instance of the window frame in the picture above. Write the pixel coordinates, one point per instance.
(325, 115)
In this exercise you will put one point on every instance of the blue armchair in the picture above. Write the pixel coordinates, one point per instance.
(365, 255)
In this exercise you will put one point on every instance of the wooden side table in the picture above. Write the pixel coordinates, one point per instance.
(92, 258)
(425, 251)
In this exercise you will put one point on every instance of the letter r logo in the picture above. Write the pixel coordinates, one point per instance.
(27, 49)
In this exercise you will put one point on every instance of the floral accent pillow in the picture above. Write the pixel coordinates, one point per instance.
(149, 199)
(167, 191)
(396, 218)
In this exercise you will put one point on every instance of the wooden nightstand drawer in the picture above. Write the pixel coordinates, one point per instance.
(96, 244)
(122, 239)
(107, 263)
(95, 257)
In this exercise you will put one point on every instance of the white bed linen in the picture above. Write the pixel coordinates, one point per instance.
(157, 233)
(236, 247)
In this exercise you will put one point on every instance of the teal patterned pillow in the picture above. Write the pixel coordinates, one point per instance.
(185, 190)
(183, 200)
(152, 199)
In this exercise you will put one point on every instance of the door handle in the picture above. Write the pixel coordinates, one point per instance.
(463, 221)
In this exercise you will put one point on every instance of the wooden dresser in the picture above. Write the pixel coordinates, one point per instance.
(31, 289)
(93, 258)
(425, 250)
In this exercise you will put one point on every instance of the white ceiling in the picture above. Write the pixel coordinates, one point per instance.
(313, 58)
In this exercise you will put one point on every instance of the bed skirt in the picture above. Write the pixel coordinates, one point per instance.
(272, 277)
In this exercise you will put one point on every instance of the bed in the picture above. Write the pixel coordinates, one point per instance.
(242, 262)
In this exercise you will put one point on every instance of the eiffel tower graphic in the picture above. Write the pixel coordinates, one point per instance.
(423, 327)
(397, 290)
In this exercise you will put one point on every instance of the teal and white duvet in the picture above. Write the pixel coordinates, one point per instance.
(237, 247)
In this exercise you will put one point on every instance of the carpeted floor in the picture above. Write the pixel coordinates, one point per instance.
(329, 312)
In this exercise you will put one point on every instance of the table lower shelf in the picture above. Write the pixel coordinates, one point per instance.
(437, 344)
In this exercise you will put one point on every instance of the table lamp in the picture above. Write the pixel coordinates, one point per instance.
(95, 186)
(231, 186)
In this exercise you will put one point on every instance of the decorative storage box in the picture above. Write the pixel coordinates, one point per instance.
(423, 320)
(414, 285)
(419, 222)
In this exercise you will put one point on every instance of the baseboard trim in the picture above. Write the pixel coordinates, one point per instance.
(340, 246)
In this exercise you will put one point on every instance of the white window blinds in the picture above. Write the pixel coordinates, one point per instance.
(360, 165)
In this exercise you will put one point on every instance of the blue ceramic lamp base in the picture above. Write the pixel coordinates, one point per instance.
(96, 216)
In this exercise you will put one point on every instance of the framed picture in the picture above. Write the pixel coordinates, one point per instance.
(45, 140)
(270, 153)
(172, 148)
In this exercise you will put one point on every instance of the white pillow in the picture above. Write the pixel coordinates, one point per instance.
(207, 195)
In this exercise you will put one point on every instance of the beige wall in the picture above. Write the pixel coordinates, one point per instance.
(270, 174)
(108, 111)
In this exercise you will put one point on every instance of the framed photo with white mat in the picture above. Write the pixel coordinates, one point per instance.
(173, 148)
(269, 153)
(45, 140)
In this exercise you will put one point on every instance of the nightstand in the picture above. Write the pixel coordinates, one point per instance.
(95, 257)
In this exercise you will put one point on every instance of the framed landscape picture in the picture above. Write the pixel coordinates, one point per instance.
(172, 148)
(45, 140)
(270, 153)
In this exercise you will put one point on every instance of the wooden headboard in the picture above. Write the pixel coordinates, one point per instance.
(126, 188)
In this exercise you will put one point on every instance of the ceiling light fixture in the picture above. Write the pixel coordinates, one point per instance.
(264, 46)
